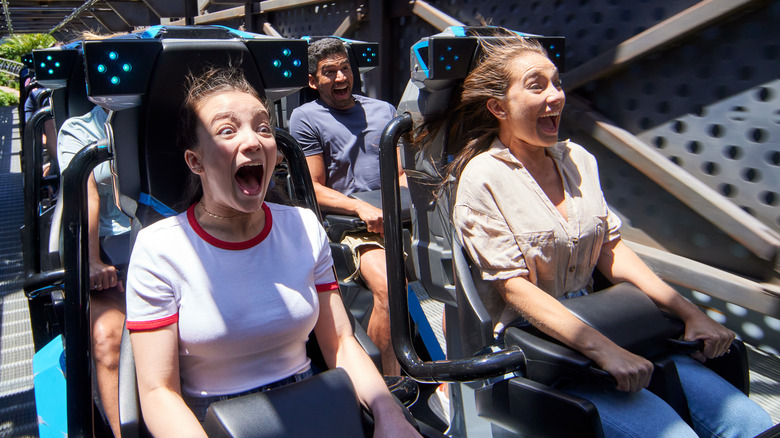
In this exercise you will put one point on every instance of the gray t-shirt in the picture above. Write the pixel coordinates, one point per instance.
(347, 139)
(77, 133)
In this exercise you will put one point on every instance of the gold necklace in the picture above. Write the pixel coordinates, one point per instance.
(216, 216)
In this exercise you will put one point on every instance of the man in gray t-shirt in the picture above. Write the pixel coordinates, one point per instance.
(339, 133)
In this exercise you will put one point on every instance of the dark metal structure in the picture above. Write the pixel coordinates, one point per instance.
(679, 101)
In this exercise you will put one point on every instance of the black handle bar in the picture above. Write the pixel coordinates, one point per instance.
(474, 368)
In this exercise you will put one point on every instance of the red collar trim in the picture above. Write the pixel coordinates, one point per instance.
(233, 246)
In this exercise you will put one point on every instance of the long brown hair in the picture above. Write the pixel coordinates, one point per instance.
(470, 128)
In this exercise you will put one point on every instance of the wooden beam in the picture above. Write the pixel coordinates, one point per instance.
(225, 14)
(433, 16)
(346, 25)
(763, 298)
(275, 5)
(268, 29)
(669, 31)
(711, 205)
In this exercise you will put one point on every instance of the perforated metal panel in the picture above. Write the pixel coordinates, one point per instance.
(320, 19)
(711, 106)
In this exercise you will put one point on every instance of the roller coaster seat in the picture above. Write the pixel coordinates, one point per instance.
(363, 57)
(145, 109)
(439, 63)
(60, 74)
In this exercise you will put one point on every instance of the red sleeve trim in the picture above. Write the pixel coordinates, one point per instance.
(327, 287)
(154, 324)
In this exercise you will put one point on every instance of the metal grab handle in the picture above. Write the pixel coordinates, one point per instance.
(687, 347)
(76, 266)
(475, 368)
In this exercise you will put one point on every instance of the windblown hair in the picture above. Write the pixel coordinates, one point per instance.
(470, 128)
(322, 49)
(199, 87)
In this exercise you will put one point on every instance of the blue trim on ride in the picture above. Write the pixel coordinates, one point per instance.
(50, 389)
(422, 62)
(156, 205)
(424, 327)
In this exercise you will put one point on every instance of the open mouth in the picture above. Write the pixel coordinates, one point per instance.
(249, 178)
(341, 92)
(549, 123)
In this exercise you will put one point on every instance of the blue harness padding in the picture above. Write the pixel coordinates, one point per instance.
(156, 204)
(424, 327)
(50, 390)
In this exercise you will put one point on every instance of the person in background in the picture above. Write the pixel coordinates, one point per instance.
(49, 141)
(339, 133)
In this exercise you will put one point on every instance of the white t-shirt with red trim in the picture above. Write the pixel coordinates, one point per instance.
(244, 310)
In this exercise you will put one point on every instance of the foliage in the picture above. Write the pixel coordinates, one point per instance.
(7, 99)
(8, 80)
(20, 44)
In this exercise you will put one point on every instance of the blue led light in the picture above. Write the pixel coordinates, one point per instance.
(449, 48)
(297, 63)
(113, 55)
(277, 63)
(441, 58)
(449, 67)
(457, 57)
(43, 65)
(127, 67)
(368, 49)
(51, 72)
(48, 58)
(286, 52)
(287, 73)
(56, 64)
(101, 68)
(114, 80)
(552, 46)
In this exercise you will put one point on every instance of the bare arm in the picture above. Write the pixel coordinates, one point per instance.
(340, 349)
(156, 355)
(335, 202)
(546, 313)
(101, 275)
(619, 263)
(401, 174)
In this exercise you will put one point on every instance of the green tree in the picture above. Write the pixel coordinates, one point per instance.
(20, 44)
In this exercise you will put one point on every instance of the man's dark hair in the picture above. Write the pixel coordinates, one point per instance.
(322, 49)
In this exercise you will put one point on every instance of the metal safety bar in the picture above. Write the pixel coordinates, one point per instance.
(473, 368)
(78, 369)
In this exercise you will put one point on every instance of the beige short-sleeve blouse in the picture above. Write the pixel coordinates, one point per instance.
(510, 228)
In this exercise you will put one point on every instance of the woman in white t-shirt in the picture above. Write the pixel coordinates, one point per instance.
(221, 298)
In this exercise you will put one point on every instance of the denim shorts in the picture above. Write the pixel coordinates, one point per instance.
(199, 405)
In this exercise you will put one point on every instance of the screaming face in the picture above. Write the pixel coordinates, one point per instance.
(236, 152)
(333, 81)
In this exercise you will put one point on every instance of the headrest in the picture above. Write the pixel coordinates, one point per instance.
(61, 70)
(27, 60)
(142, 81)
(440, 60)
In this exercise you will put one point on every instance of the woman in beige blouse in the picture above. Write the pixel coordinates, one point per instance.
(530, 212)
